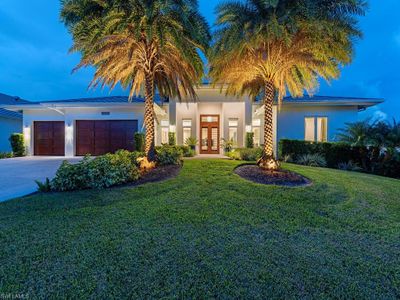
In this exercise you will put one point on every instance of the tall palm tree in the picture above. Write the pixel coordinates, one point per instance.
(271, 47)
(141, 44)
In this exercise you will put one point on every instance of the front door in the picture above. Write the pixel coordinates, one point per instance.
(209, 134)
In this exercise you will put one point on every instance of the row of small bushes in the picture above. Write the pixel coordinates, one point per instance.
(106, 170)
(246, 154)
(340, 155)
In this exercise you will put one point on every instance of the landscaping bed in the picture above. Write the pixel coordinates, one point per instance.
(281, 177)
(158, 174)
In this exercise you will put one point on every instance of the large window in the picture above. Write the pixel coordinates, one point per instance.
(233, 130)
(322, 129)
(187, 130)
(316, 129)
(164, 135)
(310, 129)
(257, 132)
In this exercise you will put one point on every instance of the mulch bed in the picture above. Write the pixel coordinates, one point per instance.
(281, 177)
(158, 174)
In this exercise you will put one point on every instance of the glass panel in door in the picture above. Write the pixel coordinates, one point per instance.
(214, 139)
(204, 138)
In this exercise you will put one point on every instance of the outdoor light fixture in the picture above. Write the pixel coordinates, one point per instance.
(172, 128)
(248, 128)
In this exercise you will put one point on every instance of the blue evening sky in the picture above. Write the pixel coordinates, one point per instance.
(35, 64)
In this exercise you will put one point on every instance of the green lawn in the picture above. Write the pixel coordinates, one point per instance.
(207, 234)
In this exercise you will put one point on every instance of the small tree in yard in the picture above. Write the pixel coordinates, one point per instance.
(270, 47)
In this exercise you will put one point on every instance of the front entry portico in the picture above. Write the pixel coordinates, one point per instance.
(209, 134)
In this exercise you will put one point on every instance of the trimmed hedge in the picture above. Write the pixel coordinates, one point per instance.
(17, 144)
(97, 173)
(369, 159)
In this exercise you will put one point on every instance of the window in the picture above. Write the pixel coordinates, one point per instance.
(164, 135)
(257, 136)
(209, 119)
(322, 126)
(187, 133)
(233, 130)
(316, 129)
(256, 123)
(257, 132)
(310, 129)
(186, 130)
(186, 123)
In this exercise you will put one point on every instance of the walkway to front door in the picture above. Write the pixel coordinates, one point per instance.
(209, 134)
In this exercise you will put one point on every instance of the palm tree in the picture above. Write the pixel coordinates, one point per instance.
(271, 47)
(143, 45)
(357, 133)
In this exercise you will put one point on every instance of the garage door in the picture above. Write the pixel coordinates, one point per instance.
(101, 137)
(49, 138)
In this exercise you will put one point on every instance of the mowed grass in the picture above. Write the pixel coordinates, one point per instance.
(207, 234)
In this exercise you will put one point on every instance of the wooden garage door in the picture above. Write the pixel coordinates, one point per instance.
(49, 138)
(101, 137)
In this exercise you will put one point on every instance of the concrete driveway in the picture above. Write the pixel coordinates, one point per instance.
(18, 175)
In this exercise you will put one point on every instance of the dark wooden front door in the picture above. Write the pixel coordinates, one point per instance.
(101, 137)
(209, 134)
(49, 138)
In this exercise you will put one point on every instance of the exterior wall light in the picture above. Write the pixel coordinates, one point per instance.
(248, 128)
(69, 133)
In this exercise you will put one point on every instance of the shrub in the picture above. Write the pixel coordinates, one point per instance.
(139, 141)
(349, 166)
(6, 155)
(191, 142)
(17, 144)
(312, 160)
(186, 151)
(101, 172)
(44, 187)
(250, 140)
(227, 145)
(171, 139)
(169, 155)
(246, 154)
(134, 156)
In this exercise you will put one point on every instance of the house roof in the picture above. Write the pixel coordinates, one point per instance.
(330, 99)
(10, 100)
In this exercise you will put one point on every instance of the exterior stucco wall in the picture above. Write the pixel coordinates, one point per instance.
(70, 116)
(8, 127)
(291, 124)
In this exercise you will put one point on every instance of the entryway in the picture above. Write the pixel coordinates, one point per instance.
(209, 134)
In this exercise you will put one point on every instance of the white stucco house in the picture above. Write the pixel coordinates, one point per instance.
(10, 121)
(99, 125)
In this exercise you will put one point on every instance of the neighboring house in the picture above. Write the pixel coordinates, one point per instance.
(101, 125)
(10, 121)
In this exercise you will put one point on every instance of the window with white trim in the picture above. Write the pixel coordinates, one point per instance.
(186, 130)
(256, 132)
(233, 130)
(316, 129)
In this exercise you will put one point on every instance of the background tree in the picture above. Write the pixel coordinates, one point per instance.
(270, 47)
(146, 46)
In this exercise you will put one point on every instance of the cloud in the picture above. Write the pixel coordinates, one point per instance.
(380, 115)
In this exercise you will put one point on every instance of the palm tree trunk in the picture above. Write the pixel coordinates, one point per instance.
(149, 117)
(268, 160)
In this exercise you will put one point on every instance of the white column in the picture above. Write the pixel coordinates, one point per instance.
(70, 136)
